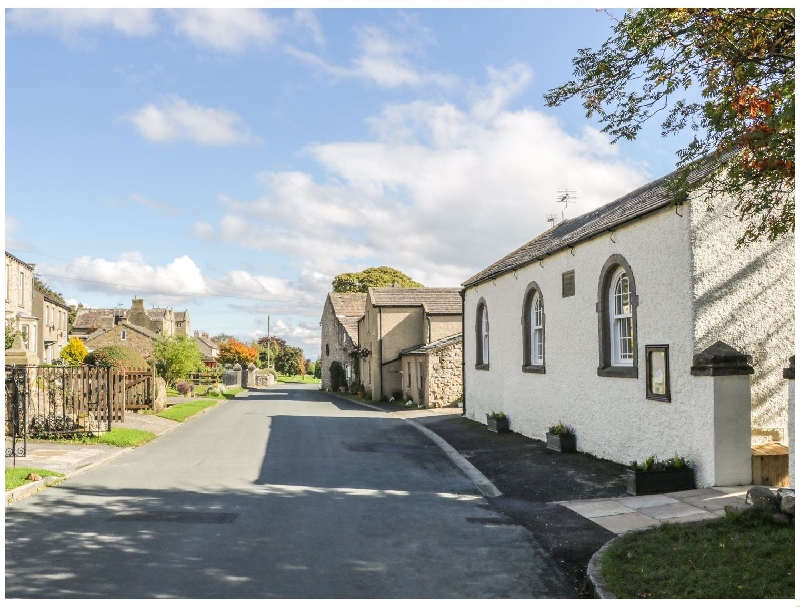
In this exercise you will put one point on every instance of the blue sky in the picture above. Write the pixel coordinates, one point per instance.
(232, 162)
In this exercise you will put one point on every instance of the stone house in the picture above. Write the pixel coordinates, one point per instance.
(339, 334)
(397, 319)
(640, 325)
(19, 301)
(53, 316)
(208, 348)
(432, 372)
(124, 334)
(162, 321)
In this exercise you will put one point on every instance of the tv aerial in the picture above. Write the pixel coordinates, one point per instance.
(551, 219)
(567, 196)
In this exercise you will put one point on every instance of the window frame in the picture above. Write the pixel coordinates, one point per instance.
(608, 365)
(482, 342)
(529, 364)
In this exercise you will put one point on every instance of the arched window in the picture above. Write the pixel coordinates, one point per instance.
(617, 319)
(482, 336)
(533, 330)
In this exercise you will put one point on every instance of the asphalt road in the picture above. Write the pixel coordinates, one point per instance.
(283, 494)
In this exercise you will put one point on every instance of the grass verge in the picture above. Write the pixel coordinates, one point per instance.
(232, 392)
(16, 477)
(740, 557)
(116, 437)
(298, 379)
(180, 412)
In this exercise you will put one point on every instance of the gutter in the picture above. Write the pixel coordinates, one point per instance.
(380, 351)
(463, 294)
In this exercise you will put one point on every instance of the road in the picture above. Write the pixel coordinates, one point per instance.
(284, 494)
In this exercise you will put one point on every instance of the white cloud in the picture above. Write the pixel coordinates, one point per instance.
(226, 30)
(175, 119)
(307, 20)
(162, 207)
(382, 58)
(13, 225)
(438, 192)
(73, 26)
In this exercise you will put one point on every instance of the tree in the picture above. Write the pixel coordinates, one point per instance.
(743, 61)
(318, 369)
(234, 351)
(271, 344)
(72, 314)
(310, 366)
(290, 361)
(74, 352)
(359, 282)
(40, 286)
(175, 356)
(222, 337)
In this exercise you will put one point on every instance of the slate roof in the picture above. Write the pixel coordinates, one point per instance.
(30, 266)
(435, 300)
(635, 205)
(434, 345)
(156, 313)
(124, 325)
(180, 316)
(210, 343)
(89, 318)
(348, 304)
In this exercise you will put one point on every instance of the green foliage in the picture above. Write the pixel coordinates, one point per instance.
(318, 369)
(118, 357)
(179, 413)
(175, 356)
(74, 353)
(742, 59)
(560, 429)
(497, 415)
(16, 477)
(11, 334)
(233, 351)
(71, 315)
(652, 463)
(290, 361)
(359, 282)
(43, 288)
(338, 376)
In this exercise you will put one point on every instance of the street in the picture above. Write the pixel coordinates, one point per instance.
(284, 494)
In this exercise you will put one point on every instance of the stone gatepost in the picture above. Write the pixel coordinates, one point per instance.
(251, 376)
(729, 372)
(788, 373)
(241, 375)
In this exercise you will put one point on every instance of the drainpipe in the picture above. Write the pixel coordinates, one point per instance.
(463, 357)
(380, 349)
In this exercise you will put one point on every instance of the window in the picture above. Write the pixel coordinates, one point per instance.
(482, 336)
(327, 350)
(617, 303)
(408, 375)
(419, 376)
(123, 335)
(21, 288)
(369, 373)
(568, 284)
(533, 330)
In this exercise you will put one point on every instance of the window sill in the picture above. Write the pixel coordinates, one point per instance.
(533, 369)
(630, 372)
(482, 367)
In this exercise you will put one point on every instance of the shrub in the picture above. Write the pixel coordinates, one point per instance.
(118, 357)
(74, 352)
(338, 376)
(497, 415)
(560, 429)
(185, 388)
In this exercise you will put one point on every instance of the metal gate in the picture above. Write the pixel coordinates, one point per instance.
(16, 411)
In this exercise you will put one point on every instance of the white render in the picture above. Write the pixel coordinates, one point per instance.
(685, 292)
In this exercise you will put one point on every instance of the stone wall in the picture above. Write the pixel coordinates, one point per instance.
(443, 383)
(336, 345)
(133, 340)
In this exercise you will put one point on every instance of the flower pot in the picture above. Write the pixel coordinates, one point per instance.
(563, 443)
(497, 425)
(659, 481)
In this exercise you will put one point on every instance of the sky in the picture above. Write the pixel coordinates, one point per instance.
(232, 162)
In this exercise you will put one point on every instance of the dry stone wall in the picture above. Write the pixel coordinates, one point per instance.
(444, 376)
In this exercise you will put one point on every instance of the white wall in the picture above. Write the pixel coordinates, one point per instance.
(612, 417)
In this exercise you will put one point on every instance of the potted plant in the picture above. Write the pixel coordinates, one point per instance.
(497, 422)
(561, 438)
(656, 476)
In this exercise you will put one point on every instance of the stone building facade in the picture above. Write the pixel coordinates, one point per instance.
(339, 334)
(162, 321)
(19, 301)
(53, 316)
(127, 335)
(432, 373)
(396, 319)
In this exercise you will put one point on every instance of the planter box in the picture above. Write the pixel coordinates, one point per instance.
(497, 425)
(563, 443)
(659, 481)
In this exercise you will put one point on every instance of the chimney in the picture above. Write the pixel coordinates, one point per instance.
(196, 333)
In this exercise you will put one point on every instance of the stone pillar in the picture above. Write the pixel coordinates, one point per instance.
(251, 376)
(17, 355)
(730, 373)
(241, 375)
(788, 373)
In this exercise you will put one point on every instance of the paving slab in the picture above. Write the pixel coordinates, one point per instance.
(595, 509)
(620, 523)
(714, 503)
(645, 501)
(667, 511)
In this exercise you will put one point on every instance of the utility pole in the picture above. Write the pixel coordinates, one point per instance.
(269, 343)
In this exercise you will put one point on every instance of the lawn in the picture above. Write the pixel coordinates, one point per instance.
(16, 477)
(232, 392)
(180, 412)
(116, 437)
(746, 557)
(298, 379)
